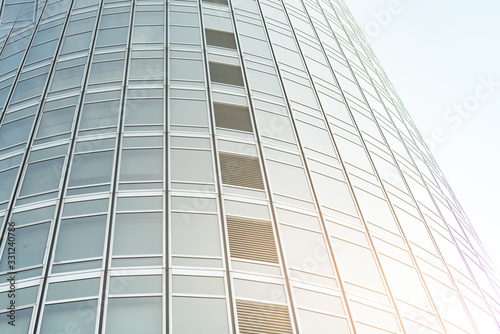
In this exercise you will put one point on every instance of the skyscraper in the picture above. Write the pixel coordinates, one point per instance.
(219, 167)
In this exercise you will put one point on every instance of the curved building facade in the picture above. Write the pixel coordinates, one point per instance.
(216, 167)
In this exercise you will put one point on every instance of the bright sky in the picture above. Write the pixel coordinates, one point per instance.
(443, 57)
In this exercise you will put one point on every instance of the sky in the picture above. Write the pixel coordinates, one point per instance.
(443, 57)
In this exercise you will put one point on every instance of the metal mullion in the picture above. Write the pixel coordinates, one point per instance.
(166, 281)
(230, 298)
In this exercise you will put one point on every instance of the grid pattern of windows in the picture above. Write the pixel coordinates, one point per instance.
(220, 166)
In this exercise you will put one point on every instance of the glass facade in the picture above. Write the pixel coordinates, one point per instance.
(216, 167)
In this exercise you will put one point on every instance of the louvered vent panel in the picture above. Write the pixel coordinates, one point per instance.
(263, 318)
(231, 116)
(240, 170)
(225, 73)
(251, 239)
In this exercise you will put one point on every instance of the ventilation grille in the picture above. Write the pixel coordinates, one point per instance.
(240, 170)
(220, 38)
(263, 318)
(219, 2)
(226, 74)
(231, 116)
(251, 239)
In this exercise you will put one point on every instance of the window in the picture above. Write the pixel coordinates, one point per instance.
(188, 112)
(123, 314)
(138, 233)
(195, 234)
(99, 114)
(91, 168)
(81, 238)
(31, 243)
(15, 132)
(73, 289)
(144, 111)
(42, 176)
(141, 165)
(58, 318)
(226, 74)
(191, 165)
(199, 315)
(56, 122)
(186, 69)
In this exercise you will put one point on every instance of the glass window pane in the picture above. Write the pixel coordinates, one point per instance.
(42, 176)
(91, 168)
(191, 165)
(220, 38)
(188, 112)
(67, 78)
(112, 36)
(31, 243)
(135, 284)
(76, 42)
(198, 285)
(148, 34)
(7, 179)
(56, 122)
(85, 207)
(77, 317)
(199, 315)
(73, 289)
(33, 215)
(15, 132)
(184, 35)
(138, 233)
(317, 323)
(80, 238)
(99, 114)
(23, 296)
(186, 69)
(141, 165)
(23, 318)
(107, 71)
(195, 234)
(123, 314)
(144, 111)
(227, 74)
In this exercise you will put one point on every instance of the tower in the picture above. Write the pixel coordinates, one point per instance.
(219, 167)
